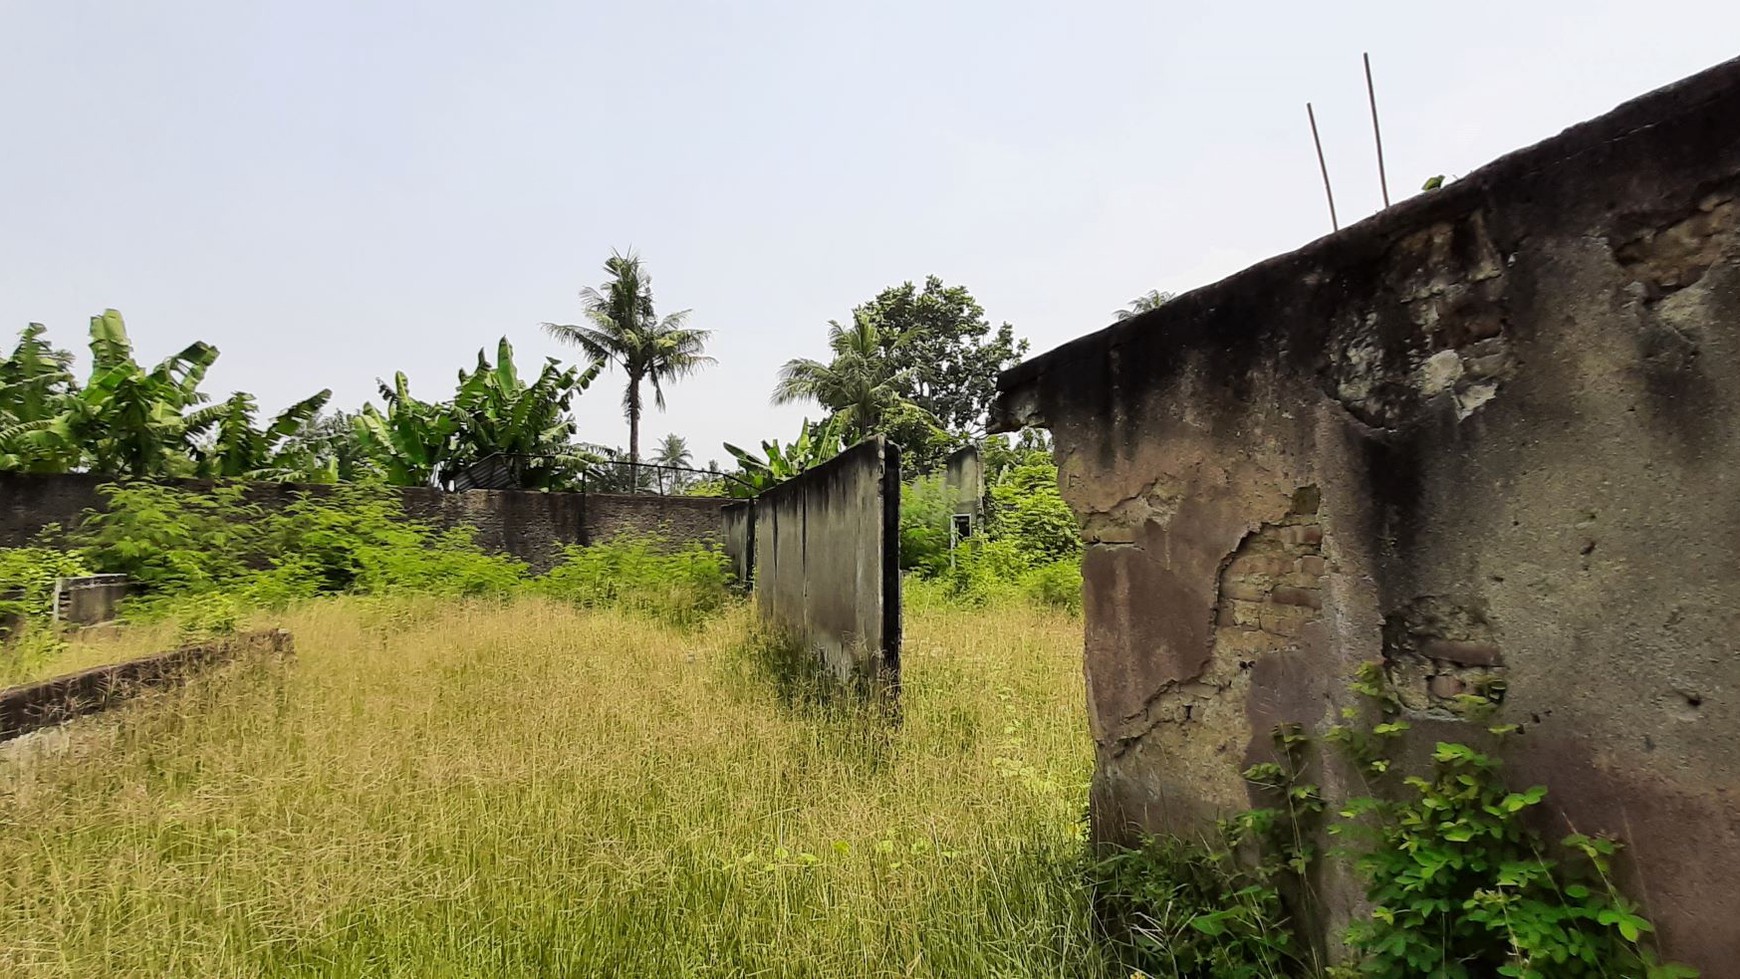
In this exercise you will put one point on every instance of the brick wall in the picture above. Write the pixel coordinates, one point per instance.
(531, 526)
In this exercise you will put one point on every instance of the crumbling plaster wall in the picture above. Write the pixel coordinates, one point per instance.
(1489, 438)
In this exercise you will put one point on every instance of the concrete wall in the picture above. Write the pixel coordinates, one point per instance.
(827, 559)
(531, 526)
(89, 599)
(1491, 433)
(738, 530)
(964, 475)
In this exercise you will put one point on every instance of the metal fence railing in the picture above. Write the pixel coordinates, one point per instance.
(504, 471)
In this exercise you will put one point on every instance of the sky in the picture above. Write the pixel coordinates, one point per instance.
(333, 190)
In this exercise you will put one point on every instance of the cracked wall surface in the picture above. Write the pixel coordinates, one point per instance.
(1488, 440)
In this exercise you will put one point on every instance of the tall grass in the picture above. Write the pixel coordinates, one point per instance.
(473, 788)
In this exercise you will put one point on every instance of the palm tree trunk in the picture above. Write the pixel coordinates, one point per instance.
(634, 431)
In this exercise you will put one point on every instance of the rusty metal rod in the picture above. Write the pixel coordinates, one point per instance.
(1333, 222)
(1377, 134)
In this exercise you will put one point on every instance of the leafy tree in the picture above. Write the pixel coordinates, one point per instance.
(944, 353)
(623, 328)
(673, 450)
(328, 449)
(35, 382)
(409, 441)
(496, 412)
(1027, 509)
(124, 421)
(816, 443)
(860, 384)
(237, 449)
(1150, 300)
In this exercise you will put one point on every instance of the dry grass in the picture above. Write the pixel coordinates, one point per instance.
(29, 661)
(434, 789)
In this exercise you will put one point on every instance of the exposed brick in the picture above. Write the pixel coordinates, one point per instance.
(1445, 687)
(1247, 614)
(1283, 620)
(1252, 565)
(1304, 535)
(1303, 597)
(1312, 564)
(1463, 652)
(1244, 591)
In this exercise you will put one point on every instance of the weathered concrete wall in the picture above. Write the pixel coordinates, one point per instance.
(34, 706)
(1488, 434)
(531, 526)
(737, 527)
(827, 560)
(964, 475)
(90, 599)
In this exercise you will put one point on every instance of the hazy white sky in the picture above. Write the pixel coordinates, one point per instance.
(330, 191)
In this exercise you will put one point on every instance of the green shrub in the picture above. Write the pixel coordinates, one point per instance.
(680, 585)
(1057, 585)
(1177, 908)
(1461, 885)
(172, 540)
(927, 506)
(358, 540)
(1027, 510)
(175, 543)
(27, 576)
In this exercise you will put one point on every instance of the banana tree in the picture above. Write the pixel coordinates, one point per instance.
(126, 420)
(411, 439)
(528, 425)
(237, 449)
(816, 443)
(35, 383)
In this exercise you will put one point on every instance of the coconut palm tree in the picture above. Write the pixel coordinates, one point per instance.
(622, 328)
(1150, 300)
(859, 384)
(673, 450)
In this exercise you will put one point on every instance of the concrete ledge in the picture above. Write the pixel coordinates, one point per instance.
(28, 708)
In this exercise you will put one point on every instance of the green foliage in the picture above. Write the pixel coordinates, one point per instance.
(680, 585)
(1030, 549)
(944, 352)
(166, 539)
(1461, 886)
(237, 449)
(129, 421)
(1178, 908)
(176, 543)
(623, 328)
(27, 577)
(35, 383)
(1151, 300)
(1025, 507)
(816, 443)
(495, 411)
(927, 507)
(859, 384)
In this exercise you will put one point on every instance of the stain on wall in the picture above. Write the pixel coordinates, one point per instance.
(1487, 439)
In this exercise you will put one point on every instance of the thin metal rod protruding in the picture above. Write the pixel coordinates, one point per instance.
(1377, 134)
(1333, 222)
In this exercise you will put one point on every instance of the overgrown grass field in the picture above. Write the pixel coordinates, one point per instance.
(436, 787)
